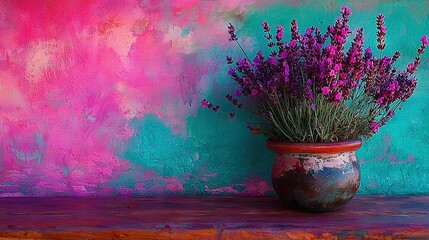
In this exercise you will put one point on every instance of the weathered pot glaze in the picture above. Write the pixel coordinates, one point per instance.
(315, 176)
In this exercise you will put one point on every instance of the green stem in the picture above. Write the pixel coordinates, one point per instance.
(243, 50)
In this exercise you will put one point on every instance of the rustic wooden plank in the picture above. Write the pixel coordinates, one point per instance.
(215, 217)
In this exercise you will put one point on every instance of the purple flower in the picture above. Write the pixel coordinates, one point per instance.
(340, 40)
(392, 86)
(231, 31)
(381, 33)
(325, 90)
(256, 61)
(313, 107)
(231, 71)
(229, 59)
(425, 40)
(338, 96)
(266, 27)
(337, 67)
(232, 114)
(411, 68)
(374, 127)
(294, 31)
(368, 52)
(395, 56)
(380, 101)
(331, 29)
(308, 92)
(204, 103)
(238, 93)
(286, 72)
(216, 108)
(244, 63)
(254, 92)
(331, 50)
(345, 10)
(280, 33)
(272, 61)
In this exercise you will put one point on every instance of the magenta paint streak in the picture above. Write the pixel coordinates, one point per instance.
(251, 187)
(387, 155)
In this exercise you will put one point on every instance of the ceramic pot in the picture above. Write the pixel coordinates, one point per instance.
(317, 177)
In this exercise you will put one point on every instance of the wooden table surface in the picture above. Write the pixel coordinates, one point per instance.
(226, 217)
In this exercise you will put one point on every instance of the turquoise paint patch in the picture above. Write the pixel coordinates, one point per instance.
(32, 153)
(396, 158)
(227, 148)
(66, 171)
(26, 157)
(185, 31)
(213, 150)
(154, 146)
(39, 141)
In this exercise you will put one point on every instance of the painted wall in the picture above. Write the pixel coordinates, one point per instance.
(103, 97)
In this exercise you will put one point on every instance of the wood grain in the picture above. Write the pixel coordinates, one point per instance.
(223, 217)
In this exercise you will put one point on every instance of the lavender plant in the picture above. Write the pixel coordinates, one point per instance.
(311, 89)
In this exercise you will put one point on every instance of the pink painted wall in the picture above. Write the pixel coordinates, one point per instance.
(74, 73)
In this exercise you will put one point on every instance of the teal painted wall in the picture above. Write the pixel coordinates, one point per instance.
(125, 118)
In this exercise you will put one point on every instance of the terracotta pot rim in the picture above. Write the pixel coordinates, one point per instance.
(320, 147)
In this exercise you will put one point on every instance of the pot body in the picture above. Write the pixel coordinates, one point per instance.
(315, 177)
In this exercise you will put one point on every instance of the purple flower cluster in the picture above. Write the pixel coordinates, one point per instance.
(234, 101)
(381, 33)
(231, 31)
(385, 84)
(209, 105)
(308, 65)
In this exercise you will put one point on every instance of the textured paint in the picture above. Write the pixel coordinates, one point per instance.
(102, 97)
(313, 163)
